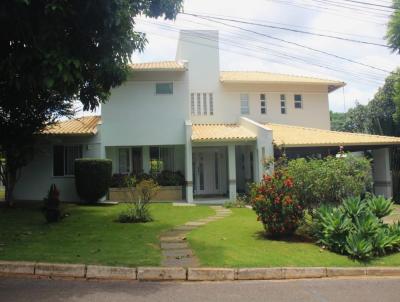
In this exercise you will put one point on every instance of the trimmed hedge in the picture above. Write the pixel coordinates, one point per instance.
(92, 178)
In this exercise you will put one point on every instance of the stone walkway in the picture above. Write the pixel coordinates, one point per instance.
(174, 246)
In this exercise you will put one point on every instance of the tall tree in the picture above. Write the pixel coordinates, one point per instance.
(53, 52)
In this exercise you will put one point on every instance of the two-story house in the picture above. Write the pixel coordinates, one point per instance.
(214, 126)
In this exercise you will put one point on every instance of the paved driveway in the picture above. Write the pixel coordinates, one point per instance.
(326, 290)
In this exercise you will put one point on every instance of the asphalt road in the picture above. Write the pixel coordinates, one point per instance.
(326, 290)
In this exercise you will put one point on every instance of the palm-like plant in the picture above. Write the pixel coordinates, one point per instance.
(380, 206)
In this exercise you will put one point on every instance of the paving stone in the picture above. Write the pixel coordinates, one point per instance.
(175, 250)
(179, 253)
(183, 262)
(186, 228)
(195, 223)
(174, 245)
(110, 272)
(173, 239)
(174, 232)
(161, 273)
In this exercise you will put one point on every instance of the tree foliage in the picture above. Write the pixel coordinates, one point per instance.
(393, 30)
(55, 52)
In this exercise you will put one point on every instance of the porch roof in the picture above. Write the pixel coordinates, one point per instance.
(158, 66)
(221, 132)
(86, 125)
(296, 136)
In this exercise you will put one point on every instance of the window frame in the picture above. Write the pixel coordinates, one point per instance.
(164, 83)
(263, 104)
(64, 158)
(247, 112)
(283, 105)
(297, 102)
(162, 167)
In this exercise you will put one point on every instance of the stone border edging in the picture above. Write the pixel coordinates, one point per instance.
(98, 272)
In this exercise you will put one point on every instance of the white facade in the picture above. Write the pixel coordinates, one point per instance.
(140, 121)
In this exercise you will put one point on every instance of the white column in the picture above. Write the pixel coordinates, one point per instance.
(232, 171)
(381, 173)
(146, 159)
(188, 162)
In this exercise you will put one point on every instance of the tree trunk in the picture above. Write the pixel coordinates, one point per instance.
(10, 185)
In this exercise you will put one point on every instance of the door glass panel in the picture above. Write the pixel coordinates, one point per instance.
(216, 168)
(201, 173)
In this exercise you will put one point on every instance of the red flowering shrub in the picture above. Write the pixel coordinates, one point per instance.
(276, 205)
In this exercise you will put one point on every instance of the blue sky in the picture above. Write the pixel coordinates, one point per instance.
(241, 50)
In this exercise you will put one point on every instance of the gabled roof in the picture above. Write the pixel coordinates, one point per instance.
(258, 77)
(158, 66)
(296, 136)
(221, 132)
(86, 125)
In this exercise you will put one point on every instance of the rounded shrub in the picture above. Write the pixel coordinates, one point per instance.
(92, 178)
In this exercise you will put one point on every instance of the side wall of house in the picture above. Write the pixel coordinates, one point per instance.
(136, 116)
(36, 178)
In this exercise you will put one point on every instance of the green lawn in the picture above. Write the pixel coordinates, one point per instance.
(237, 241)
(89, 235)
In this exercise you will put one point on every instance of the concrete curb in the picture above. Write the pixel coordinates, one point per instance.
(82, 271)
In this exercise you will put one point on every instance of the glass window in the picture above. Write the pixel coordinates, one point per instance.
(263, 104)
(64, 159)
(205, 103)
(192, 107)
(124, 160)
(298, 101)
(211, 100)
(283, 104)
(198, 104)
(161, 158)
(244, 103)
(164, 88)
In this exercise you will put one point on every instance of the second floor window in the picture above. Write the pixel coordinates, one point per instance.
(201, 103)
(298, 101)
(64, 159)
(164, 88)
(244, 104)
(283, 104)
(263, 104)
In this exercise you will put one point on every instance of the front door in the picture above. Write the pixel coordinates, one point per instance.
(209, 171)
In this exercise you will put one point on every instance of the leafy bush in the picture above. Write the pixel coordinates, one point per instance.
(170, 178)
(51, 208)
(165, 178)
(92, 178)
(140, 196)
(118, 180)
(380, 206)
(331, 179)
(356, 227)
(276, 205)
